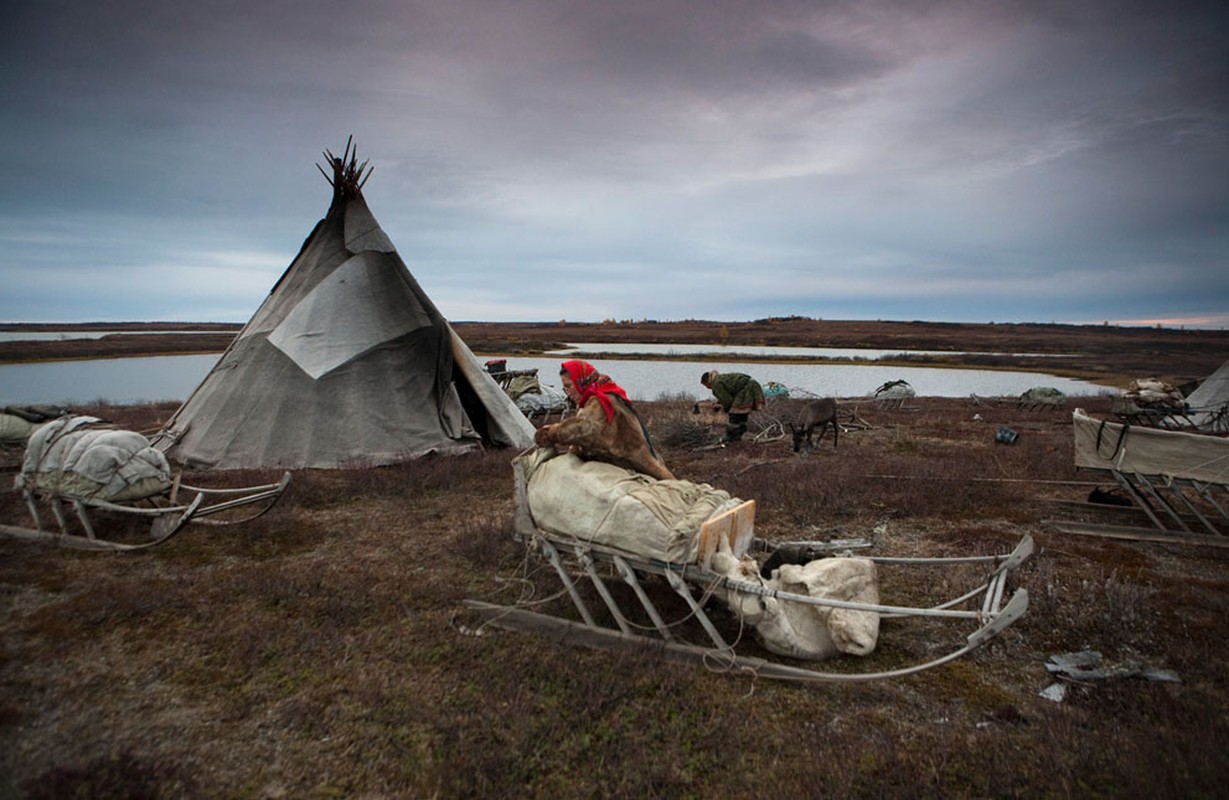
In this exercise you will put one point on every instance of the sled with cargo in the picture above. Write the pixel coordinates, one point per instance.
(533, 398)
(676, 568)
(894, 394)
(1156, 403)
(18, 423)
(1174, 484)
(82, 478)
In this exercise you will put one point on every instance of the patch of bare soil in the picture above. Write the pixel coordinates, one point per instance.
(323, 650)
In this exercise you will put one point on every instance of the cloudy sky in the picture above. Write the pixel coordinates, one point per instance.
(1013, 160)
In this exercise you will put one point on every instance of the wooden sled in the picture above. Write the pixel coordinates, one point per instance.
(1179, 510)
(623, 580)
(1176, 480)
(166, 513)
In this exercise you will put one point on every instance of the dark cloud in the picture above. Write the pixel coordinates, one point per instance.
(946, 160)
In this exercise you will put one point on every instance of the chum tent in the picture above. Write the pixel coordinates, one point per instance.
(1209, 403)
(347, 363)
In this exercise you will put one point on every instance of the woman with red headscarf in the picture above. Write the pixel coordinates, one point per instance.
(606, 426)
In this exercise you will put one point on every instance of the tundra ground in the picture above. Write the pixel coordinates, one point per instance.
(323, 650)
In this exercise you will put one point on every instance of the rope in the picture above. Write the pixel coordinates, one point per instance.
(1122, 434)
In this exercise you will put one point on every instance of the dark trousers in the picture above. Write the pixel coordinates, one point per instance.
(736, 427)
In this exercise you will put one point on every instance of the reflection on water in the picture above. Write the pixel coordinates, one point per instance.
(156, 378)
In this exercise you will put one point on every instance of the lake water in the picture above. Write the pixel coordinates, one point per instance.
(121, 381)
(648, 380)
(732, 352)
(66, 336)
(126, 381)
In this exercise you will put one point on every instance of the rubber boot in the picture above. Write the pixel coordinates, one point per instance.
(736, 427)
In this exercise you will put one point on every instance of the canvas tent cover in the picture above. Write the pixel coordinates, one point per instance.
(346, 363)
(14, 431)
(1149, 451)
(1209, 404)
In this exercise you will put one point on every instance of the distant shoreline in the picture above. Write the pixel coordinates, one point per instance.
(52, 327)
(1107, 355)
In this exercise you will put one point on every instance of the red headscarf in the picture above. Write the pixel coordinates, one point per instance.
(591, 383)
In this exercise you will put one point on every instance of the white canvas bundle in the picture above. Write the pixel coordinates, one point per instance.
(14, 430)
(600, 503)
(83, 457)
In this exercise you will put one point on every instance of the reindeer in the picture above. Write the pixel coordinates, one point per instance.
(815, 413)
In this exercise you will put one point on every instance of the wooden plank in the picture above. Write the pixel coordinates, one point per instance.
(1162, 502)
(29, 534)
(1107, 508)
(575, 633)
(164, 528)
(1137, 497)
(1106, 511)
(1134, 534)
(55, 539)
(736, 526)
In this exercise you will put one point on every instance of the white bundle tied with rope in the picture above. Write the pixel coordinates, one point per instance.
(87, 458)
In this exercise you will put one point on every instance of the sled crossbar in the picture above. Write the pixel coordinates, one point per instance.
(1176, 505)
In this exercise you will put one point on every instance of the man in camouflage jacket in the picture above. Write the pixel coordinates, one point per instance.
(738, 395)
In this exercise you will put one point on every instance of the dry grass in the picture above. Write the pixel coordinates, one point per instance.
(321, 651)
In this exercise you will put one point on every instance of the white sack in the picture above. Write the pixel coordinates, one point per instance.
(800, 630)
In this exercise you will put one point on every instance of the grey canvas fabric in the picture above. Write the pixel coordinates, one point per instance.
(1208, 402)
(347, 363)
(1149, 451)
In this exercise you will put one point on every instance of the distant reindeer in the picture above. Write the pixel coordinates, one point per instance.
(816, 413)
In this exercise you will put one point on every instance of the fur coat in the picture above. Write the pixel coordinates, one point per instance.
(622, 441)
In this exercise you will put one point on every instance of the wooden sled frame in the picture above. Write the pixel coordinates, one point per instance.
(167, 515)
(574, 561)
(1170, 504)
(1174, 479)
(1167, 500)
